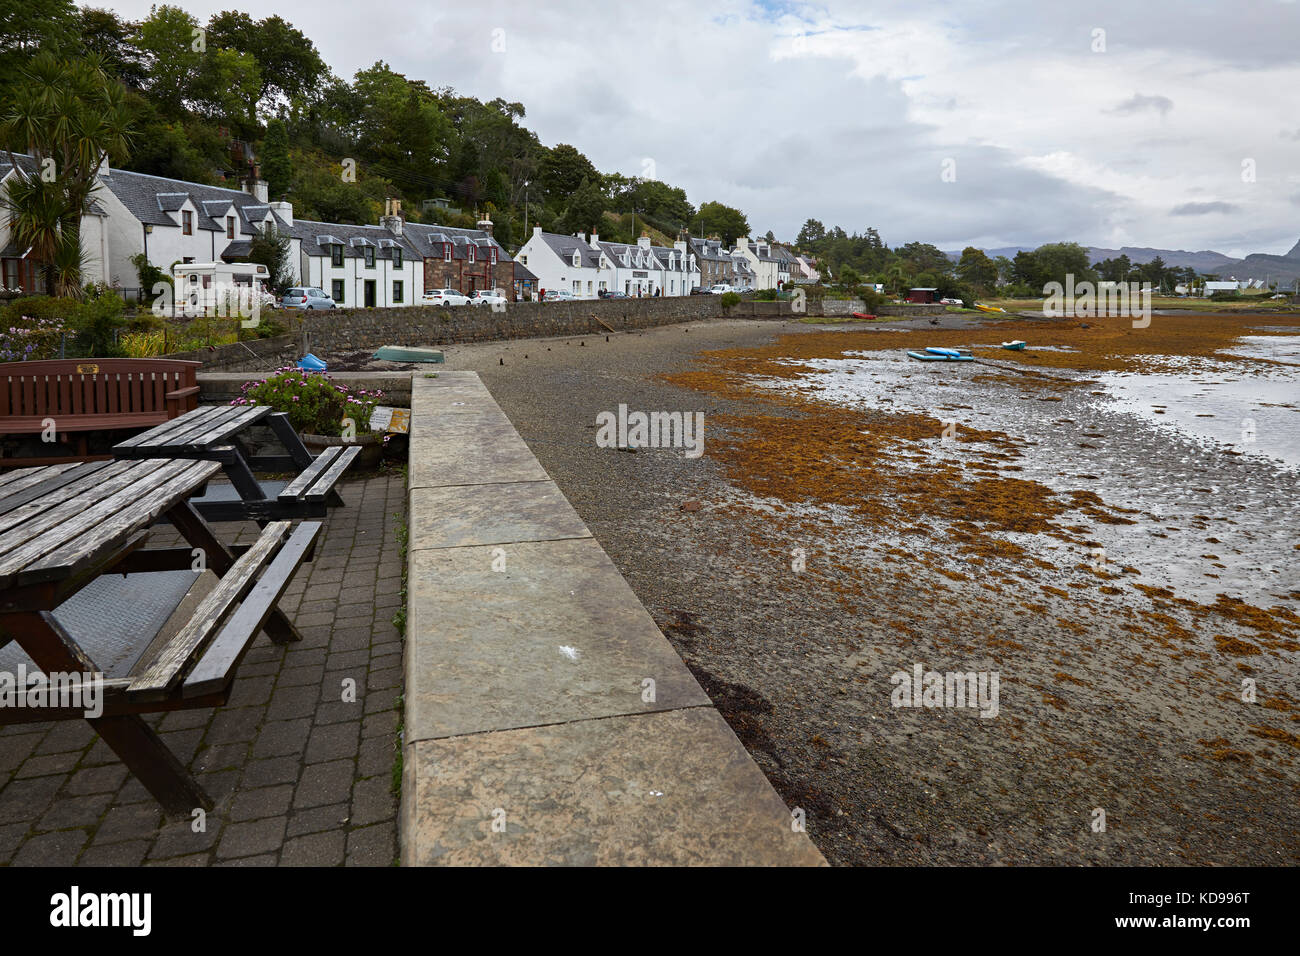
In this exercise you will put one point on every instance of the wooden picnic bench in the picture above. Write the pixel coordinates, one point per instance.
(211, 433)
(62, 526)
(78, 396)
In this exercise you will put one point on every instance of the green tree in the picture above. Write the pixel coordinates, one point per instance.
(277, 167)
(725, 221)
(1058, 260)
(70, 117)
(168, 36)
(29, 26)
(812, 232)
(290, 67)
(563, 171)
(977, 270)
(273, 249)
(586, 209)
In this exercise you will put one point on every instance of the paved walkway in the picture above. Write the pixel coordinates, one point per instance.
(299, 776)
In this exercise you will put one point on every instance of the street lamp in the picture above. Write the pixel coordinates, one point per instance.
(525, 210)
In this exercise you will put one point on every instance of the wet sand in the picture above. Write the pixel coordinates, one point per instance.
(832, 536)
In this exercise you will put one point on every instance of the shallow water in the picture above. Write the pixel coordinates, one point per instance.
(1217, 511)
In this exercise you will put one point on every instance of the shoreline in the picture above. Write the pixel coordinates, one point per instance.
(1125, 702)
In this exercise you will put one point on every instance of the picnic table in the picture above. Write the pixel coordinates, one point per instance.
(63, 526)
(211, 433)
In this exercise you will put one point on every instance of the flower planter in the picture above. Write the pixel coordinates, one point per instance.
(372, 447)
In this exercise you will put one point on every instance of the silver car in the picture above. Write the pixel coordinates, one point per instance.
(306, 297)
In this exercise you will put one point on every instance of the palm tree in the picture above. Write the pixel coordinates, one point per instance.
(896, 273)
(71, 116)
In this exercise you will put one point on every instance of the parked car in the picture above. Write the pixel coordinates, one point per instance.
(701, 290)
(611, 294)
(445, 297)
(487, 297)
(720, 288)
(306, 297)
(559, 295)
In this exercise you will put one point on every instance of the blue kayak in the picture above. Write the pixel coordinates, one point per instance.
(940, 355)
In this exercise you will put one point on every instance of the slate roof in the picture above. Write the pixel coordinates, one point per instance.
(155, 200)
(428, 239)
(563, 246)
(317, 237)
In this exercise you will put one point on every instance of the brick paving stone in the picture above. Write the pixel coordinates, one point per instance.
(96, 779)
(67, 812)
(333, 741)
(249, 839)
(325, 783)
(130, 853)
(373, 846)
(281, 737)
(372, 801)
(60, 848)
(298, 775)
(318, 819)
(316, 849)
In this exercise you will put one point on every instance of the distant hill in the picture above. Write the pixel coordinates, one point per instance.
(1283, 269)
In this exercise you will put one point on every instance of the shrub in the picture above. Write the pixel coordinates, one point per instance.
(765, 295)
(143, 344)
(730, 300)
(30, 339)
(97, 322)
(872, 300)
(314, 404)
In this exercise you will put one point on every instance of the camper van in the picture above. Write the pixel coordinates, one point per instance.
(221, 287)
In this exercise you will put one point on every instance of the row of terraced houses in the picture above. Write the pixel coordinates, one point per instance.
(391, 263)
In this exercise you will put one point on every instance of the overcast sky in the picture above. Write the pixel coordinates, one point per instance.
(992, 123)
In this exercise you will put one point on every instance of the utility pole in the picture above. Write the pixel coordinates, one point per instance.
(525, 210)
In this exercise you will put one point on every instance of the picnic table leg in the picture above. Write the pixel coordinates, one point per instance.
(146, 756)
(134, 741)
(186, 519)
(290, 439)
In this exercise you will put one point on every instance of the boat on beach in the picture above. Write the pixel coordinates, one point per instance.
(1016, 346)
(936, 354)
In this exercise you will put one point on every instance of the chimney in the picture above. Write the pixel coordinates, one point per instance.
(643, 242)
(485, 224)
(257, 187)
(580, 235)
(537, 230)
(104, 168)
(284, 210)
(680, 244)
(392, 217)
(595, 240)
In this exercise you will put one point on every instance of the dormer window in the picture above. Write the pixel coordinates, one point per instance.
(471, 253)
(492, 254)
(369, 253)
(230, 227)
(577, 259)
(336, 256)
(187, 223)
(397, 257)
(446, 252)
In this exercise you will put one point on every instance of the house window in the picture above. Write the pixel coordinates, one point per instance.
(336, 256)
(187, 222)
(336, 290)
(230, 227)
(472, 252)
(493, 254)
(397, 259)
(446, 252)
(397, 290)
(369, 253)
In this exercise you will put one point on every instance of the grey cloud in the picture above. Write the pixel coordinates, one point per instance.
(1203, 208)
(1138, 103)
